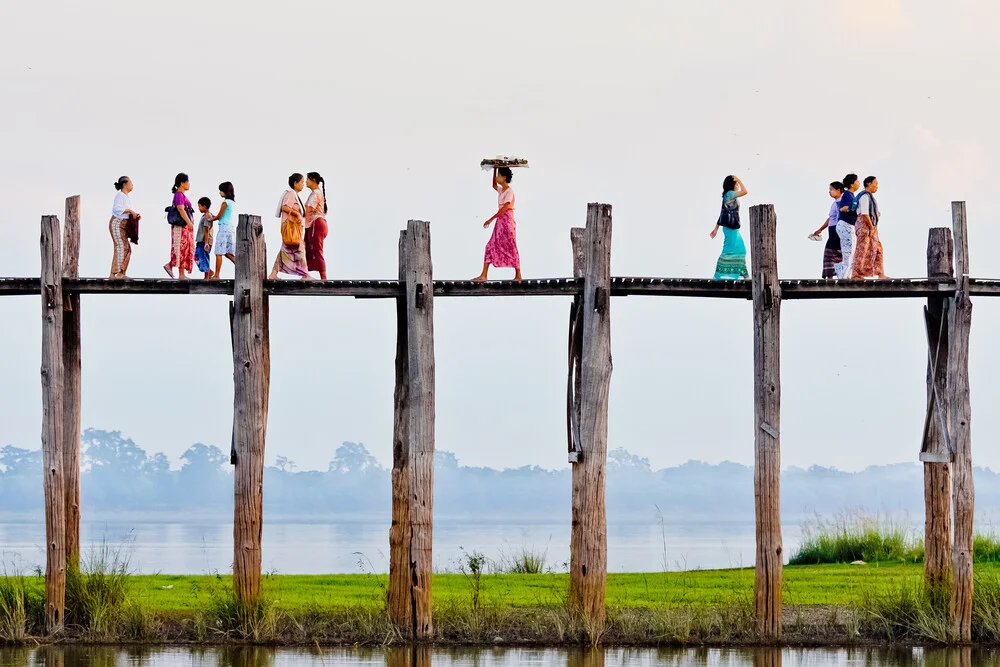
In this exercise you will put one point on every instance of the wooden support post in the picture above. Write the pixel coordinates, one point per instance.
(410, 544)
(251, 383)
(400, 595)
(52, 426)
(71, 381)
(589, 539)
(578, 240)
(934, 451)
(960, 431)
(767, 419)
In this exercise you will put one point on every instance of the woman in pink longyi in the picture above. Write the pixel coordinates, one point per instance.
(501, 250)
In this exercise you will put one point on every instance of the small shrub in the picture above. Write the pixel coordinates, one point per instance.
(902, 611)
(473, 565)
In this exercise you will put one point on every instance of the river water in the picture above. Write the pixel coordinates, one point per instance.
(200, 547)
(424, 657)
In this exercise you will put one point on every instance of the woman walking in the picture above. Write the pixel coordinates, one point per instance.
(225, 237)
(868, 260)
(180, 215)
(315, 224)
(120, 212)
(732, 264)
(501, 250)
(845, 227)
(831, 254)
(291, 258)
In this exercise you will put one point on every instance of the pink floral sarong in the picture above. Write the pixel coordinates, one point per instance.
(501, 250)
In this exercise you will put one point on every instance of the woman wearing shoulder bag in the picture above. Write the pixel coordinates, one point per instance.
(291, 257)
(180, 215)
(732, 264)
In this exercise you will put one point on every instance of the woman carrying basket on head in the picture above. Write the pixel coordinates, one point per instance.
(501, 250)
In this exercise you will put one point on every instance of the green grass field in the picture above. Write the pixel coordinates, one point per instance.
(803, 585)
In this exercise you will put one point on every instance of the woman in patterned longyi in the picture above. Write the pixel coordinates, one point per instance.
(501, 250)
(732, 263)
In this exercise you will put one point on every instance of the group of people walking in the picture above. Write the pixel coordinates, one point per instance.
(853, 250)
(303, 229)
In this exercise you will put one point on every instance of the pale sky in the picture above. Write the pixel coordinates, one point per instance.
(645, 105)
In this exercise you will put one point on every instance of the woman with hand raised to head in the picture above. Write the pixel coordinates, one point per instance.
(501, 249)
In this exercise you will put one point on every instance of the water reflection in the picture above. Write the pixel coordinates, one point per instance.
(536, 657)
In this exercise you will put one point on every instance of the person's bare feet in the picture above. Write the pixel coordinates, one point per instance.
(273, 275)
(209, 275)
(479, 279)
(517, 276)
(307, 277)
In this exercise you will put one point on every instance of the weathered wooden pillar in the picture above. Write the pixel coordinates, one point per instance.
(934, 451)
(410, 544)
(251, 382)
(71, 381)
(766, 656)
(589, 538)
(574, 388)
(960, 431)
(767, 419)
(52, 426)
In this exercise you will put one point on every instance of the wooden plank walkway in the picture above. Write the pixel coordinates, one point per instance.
(620, 286)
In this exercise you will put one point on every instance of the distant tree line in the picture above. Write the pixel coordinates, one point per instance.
(118, 476)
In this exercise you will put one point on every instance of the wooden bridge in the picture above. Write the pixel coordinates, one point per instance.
(945, 449)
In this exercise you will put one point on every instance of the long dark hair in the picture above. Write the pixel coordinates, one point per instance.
(293, 179)
(120, 183)
(179, 179)
(227, 189)
(314, 176)
(728, 184)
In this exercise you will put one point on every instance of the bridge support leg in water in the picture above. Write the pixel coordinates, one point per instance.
(251, 382)
(960, 431)
(935, 452)
(410, 545)
(52, 426)
(767, 419)
(589, 536)
(71, 382)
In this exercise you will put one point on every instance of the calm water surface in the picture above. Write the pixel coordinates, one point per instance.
(404, 657)
(321, 548)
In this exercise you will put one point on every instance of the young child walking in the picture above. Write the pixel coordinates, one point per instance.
(225, 235)
(203, 239)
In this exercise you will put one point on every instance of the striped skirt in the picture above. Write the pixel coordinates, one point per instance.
(831, 253)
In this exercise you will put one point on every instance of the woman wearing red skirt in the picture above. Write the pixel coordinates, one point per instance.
(315, 224)
(501, 250)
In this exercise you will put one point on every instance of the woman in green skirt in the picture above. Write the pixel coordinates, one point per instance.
(732, 264)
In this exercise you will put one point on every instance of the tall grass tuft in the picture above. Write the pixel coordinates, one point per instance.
(523, 560)
(902, 612)
(235, 618)
(101, 599)
(22, 606)
(986, 548)
(854, 537)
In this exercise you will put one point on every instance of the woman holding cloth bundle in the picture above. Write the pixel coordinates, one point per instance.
(291, 258)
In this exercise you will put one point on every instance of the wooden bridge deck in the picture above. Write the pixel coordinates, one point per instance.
(620, 286)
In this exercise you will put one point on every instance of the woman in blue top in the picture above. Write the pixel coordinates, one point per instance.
(732, 264)
(225, 237)
(845, 227)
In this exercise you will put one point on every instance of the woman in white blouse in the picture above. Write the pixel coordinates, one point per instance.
(120, 212)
